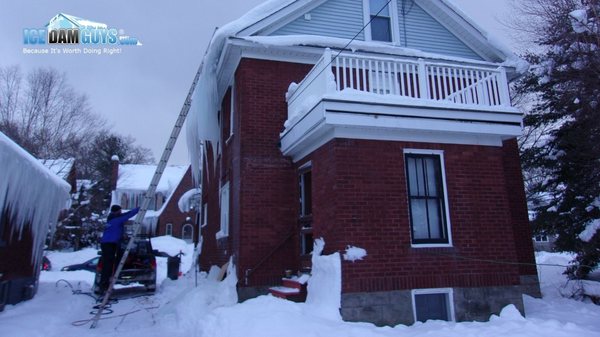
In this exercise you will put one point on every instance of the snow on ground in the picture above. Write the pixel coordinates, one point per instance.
(180, 308)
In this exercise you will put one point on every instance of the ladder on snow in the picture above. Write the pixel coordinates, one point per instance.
(149, 193)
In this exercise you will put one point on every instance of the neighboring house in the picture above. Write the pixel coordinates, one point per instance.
(65, 169)
(163, 216)
(402, 143)
(544, 242)
(31, 197)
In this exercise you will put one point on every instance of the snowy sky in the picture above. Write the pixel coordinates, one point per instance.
(141, 90)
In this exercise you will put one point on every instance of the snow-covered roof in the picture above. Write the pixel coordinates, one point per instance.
(203, 123)
(33, 194)
(60, 167)
(134, 177)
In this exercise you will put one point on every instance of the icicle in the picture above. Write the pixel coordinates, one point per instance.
(33, 194)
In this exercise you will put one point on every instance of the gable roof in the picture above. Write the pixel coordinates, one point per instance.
(446, 13)
(60, 167)
(202, 124)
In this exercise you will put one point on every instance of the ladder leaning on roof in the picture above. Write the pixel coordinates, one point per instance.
(150, 193)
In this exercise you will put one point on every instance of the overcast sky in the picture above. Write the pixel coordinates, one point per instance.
(141, 90)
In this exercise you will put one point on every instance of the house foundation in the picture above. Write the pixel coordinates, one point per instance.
(397, 307)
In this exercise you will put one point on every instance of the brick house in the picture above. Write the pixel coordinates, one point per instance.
(401, 142)
(31, 198)
(165, 216)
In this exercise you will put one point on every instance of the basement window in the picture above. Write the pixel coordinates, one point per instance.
(433, 304)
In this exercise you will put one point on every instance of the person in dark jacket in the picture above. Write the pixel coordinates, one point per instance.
(111, 238)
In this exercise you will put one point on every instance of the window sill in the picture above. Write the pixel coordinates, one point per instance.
(220, 235)
(432, 245)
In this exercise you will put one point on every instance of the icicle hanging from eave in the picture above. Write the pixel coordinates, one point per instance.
(33, 194)
(203, 124)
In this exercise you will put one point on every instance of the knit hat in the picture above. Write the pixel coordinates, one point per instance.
(115, 208)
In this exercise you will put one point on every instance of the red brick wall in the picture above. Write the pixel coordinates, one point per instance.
(518, 216)
(359, 198)
(366, 180)
(268, 202)
(263, 183)
(15, 251)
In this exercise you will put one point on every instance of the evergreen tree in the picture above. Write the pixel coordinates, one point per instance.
(566, 79)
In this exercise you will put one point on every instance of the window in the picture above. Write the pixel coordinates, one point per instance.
(305, 192)
(224, 201)
(434, 304)
(204, 215)
(232, 110)
(541, 238)
(381, 20)
(307, 241)
(169, 229)
(427, 197)
(305, 182)
(187, 234)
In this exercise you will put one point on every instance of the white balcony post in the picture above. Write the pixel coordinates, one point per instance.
(503, 87)
(423, 80)
(327, 63)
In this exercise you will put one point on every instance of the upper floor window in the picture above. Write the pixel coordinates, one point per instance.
(427, 198)
(380, 15)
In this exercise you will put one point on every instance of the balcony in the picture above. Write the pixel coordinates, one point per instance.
(364, 97)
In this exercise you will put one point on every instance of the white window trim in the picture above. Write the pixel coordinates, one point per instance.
(447, 204)
(231, 110)
(447, 291)
(169, 229)
(224, 222)
(305, 166)
(393, 21)
(302, 170)
(204, 215)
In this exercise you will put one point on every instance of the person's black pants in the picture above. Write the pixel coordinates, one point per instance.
(109, 255)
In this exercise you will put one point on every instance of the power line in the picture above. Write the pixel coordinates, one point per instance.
(345, 47)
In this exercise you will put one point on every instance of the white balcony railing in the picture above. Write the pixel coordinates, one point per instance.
(476, 86)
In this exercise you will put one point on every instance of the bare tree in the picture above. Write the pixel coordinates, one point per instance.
(44, 114)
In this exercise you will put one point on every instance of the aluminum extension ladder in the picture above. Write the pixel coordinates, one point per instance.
(150, 193)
